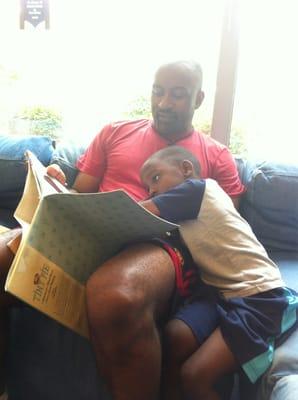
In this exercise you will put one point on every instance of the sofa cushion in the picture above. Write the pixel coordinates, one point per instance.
(13, 166)
(48, 361)
(245, 169)
(288, 265)
(7, 219)
(270, 205)
(12, 159)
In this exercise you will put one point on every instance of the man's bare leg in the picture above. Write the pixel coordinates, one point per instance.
(6, 258)
(125, 298)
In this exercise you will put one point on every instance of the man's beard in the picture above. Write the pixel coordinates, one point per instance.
(168, 125)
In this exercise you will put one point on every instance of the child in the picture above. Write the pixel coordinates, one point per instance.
(250, 311)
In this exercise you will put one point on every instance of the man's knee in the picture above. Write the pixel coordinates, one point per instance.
(118, 319)
(137, 280)
(114, 305)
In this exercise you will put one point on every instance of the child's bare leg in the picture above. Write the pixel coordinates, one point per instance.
(179, 345)
(203, 369)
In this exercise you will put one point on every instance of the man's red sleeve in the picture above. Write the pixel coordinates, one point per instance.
(93, 161)
(226, 174)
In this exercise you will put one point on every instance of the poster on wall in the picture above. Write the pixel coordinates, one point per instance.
(34, 13)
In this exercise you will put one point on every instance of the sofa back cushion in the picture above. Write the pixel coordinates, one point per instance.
(270, 205)
(13, 166)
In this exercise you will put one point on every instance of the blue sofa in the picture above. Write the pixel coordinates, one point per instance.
(46, 361)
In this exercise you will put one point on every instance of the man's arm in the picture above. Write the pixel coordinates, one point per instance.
(83, 183)
(227, 176)
(236, 201)
(91, 165)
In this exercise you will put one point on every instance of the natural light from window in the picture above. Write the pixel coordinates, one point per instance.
(98, 57)
(265, 102)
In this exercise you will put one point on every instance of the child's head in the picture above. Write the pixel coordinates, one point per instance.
(167, 168)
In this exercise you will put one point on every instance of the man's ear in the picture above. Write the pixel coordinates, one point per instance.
(199, 98)
(187, 169)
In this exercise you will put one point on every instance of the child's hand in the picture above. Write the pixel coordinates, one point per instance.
(150, 206)
(56, 172)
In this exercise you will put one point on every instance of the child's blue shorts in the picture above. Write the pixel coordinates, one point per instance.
(252, 326)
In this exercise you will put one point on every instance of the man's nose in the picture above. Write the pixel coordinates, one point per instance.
(165, 102)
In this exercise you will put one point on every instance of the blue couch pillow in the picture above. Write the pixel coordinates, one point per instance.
(13, 165)
(271, 205)
(13, 147)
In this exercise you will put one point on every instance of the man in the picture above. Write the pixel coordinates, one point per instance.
(130, 295)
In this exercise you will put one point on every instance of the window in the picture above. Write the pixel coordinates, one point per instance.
(267, 85)
(98, 57)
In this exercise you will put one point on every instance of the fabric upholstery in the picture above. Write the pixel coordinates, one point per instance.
(13, 166)
(46, 360)
(270, 205)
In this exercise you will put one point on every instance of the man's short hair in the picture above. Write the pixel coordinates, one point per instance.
(192, 66)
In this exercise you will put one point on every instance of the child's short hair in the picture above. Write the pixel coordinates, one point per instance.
(174, 154)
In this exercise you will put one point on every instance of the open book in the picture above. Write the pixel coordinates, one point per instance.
(66, 237)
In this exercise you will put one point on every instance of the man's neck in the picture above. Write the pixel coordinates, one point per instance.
(175, 137)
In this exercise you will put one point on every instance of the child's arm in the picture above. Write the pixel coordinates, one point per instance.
(150, 206)
(179, 203)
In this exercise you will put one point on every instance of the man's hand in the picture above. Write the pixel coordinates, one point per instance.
(56, 172)
(83, 183)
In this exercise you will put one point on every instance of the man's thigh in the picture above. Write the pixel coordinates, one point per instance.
(143, 271)
(281, 380)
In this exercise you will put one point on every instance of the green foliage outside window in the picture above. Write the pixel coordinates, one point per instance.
(139, 108)
(37, 120)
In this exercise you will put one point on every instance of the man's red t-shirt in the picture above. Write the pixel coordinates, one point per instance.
(118, 152)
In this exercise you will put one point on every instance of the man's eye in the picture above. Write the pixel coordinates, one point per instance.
(179, 93)
(157, 91)
(155, 178)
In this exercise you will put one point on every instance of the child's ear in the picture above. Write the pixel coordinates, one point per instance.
(187, 168)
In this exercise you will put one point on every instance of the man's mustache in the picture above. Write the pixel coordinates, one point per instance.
(166, 113)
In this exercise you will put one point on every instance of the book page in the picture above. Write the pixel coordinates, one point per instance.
(70, 236)
(79, 232)
(46, 287)
(46, 183)
(3, 229)
(37, 184)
